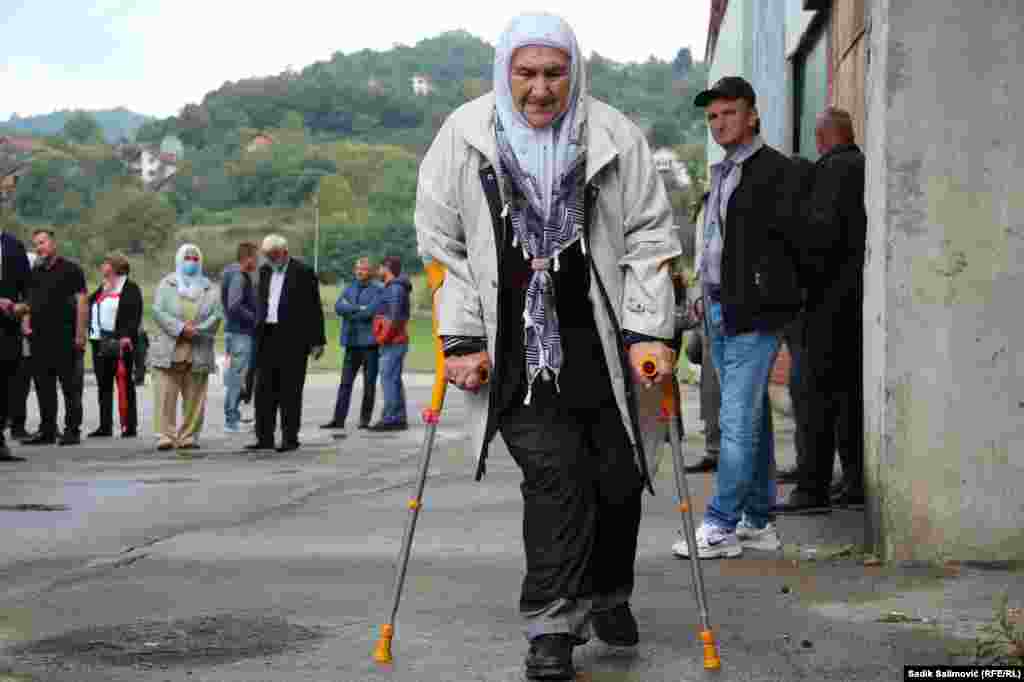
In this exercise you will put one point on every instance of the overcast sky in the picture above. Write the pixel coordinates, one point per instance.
(154, 56)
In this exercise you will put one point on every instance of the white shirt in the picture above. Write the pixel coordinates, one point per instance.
(276, 284)
(104, 313)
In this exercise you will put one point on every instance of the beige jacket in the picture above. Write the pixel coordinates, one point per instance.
(631, 240)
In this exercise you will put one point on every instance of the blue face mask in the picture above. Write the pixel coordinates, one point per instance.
(278, 265)
(190, 268)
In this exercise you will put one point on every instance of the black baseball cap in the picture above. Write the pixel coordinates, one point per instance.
(730, 87)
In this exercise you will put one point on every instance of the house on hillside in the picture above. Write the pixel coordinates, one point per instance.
(259, 141)
(12, 144)
(422, 84)
(672, 169)
(10, 172)
(148, 163)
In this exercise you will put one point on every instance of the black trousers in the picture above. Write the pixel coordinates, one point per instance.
(18, 388)
(280, 379)
(106, 377)
(356, 358)
(794, 337)
(10, 359)
(581, 494)
(833, 397)
(63, 363)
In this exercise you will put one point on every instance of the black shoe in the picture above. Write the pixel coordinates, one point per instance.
(41, 439)
(787, 475)
(550, 658)
(386, 426)
(364, 425)
(70, 439)
(803, 502)
(616, 626)
(129, 434)
(288, 447)
(260, 446)
(20, 433)
(705, 465)
(332, 425)
(102, 433)
(849, 499)
(6, 456)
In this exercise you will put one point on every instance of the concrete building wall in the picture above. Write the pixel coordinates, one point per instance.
(944, 355)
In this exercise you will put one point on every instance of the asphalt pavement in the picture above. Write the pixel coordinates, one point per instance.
(122, 563)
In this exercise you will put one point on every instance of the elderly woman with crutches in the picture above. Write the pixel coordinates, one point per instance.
(545, 208)
(187, 311)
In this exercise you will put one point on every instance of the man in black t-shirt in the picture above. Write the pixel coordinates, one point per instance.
(56, 329)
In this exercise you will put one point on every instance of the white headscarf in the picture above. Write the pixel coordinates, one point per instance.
(546, 154)
(190, 286)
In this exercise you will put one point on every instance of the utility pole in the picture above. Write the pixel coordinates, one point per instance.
(316, 222)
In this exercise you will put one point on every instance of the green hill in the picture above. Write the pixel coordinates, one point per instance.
(367, 96)
(115, 123)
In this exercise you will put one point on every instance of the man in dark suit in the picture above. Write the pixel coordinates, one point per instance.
(14, 276)
(291, 328)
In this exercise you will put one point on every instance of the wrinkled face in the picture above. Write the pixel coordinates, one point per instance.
(248, 264)
(44, 245)
(277, 256)
(732, 121)
(362, 271)
(540, 80)
(107, 271)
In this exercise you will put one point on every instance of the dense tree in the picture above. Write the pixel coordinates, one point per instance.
(83, 128)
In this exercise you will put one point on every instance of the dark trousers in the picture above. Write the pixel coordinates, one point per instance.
(367, 359)
(65, 364)
(833, 398)
(18, 388)
(793, 334)
(710, 401)
(9, 363)
(280, 379)
(106, 377)
(581, 493)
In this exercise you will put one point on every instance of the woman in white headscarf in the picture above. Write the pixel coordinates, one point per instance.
(545, 208)
(187, 311)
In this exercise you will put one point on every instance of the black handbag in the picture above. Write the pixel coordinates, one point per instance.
(108, 347)
(695, 348)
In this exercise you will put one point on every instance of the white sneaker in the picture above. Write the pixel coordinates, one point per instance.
(766, 539)
(712, 542)
(234, 428)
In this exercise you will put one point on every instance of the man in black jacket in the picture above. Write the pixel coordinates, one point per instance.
(291, 328)
(751, 292)
(836, 225)
(14, 276)
(56, 327)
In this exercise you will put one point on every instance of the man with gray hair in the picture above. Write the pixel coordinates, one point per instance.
(836, 232)
(290, 329)
(545, 208)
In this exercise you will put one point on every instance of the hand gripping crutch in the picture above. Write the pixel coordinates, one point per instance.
(431, 417)
(671, 407)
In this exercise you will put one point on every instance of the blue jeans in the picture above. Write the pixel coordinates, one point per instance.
(746, 465)
(238, 348)
(392, 358)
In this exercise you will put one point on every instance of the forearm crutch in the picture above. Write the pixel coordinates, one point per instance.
(671, 408)
(431, 417)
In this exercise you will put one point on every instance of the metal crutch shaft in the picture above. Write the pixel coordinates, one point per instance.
(670, 408)
(431, 417)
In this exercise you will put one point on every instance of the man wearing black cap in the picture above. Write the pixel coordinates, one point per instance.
(750, 292)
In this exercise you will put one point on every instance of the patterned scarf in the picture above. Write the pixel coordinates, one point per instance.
(542, 241)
